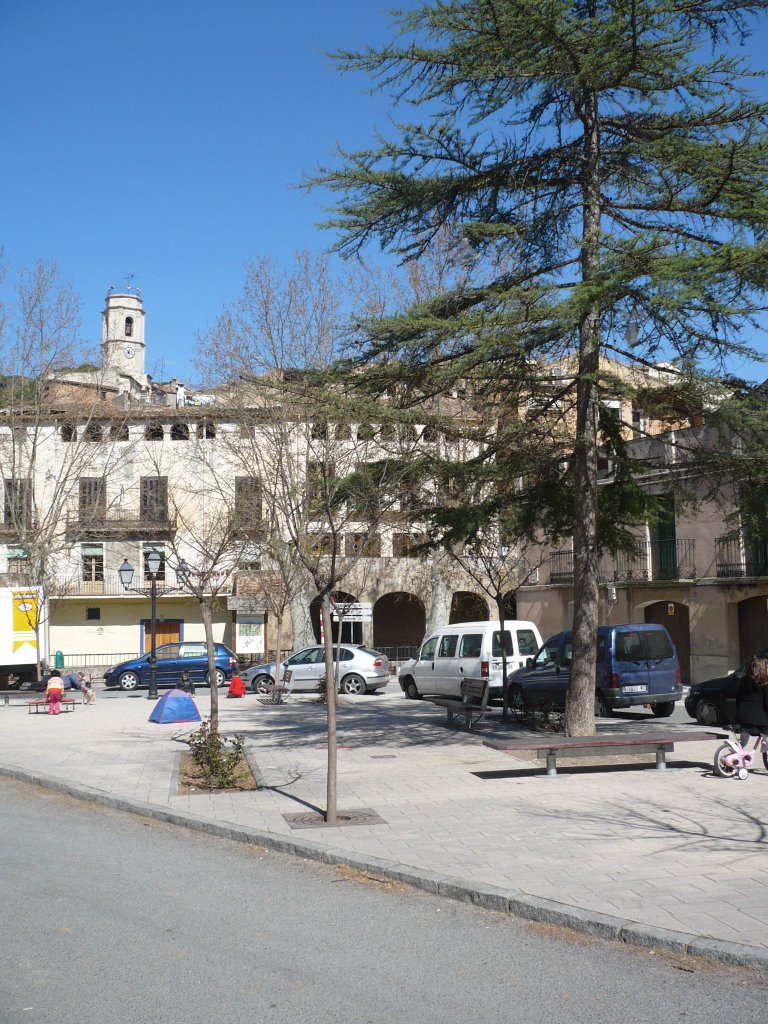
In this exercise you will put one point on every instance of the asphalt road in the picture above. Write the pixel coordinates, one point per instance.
(108, 918)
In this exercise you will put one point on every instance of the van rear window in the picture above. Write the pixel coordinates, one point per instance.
(659, 646)
(496, 643)
(526, 642)
(629, 647)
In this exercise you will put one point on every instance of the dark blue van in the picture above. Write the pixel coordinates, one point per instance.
(636, 665)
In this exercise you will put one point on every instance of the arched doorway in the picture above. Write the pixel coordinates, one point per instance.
(351, 632)
(753, 626)
(399, 620)
(675, 617)
(468, 607)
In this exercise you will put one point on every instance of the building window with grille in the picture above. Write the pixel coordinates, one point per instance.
(92, 562)
(206, 430)
(18, 504)
(153, 498)
(146, 551)
(248, 511)
(92, 499)
(17, 562)
(362, 544)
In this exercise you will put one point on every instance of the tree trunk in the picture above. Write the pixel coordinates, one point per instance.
(278, 636)
(580, 703)
(205, 611)
(330, 704)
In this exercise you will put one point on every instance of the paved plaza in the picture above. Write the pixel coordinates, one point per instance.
(611, 840)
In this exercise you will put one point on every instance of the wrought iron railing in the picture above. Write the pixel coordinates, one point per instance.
(651, 560)
(735, 560)
(561, 567)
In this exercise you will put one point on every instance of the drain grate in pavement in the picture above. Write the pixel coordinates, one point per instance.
(315, 819)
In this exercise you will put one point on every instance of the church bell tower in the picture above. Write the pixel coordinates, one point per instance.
(122, 334)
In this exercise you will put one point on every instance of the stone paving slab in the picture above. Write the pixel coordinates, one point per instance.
(681, 850)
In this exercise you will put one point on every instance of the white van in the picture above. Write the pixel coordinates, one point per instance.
(468, 650)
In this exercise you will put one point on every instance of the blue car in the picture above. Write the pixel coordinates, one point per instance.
(172, 660)
(636, 666)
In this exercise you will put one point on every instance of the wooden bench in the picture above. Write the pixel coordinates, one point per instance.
(40, 707)
(602, 745)
(473, 703)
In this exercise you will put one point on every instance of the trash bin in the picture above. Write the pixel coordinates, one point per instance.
(58, 660)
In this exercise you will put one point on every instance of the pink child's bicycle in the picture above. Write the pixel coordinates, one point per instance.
(734, 761)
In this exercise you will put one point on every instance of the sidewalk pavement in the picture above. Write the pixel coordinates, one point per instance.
(671, 859)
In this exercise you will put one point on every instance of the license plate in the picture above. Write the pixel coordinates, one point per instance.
(635, 689)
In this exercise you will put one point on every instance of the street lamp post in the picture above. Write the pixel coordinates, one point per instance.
(153, 563)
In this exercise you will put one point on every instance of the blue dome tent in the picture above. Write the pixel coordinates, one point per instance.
(175, 706)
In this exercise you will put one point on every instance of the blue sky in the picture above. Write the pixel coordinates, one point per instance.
(162, 139)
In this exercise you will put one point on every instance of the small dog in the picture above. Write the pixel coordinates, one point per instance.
(89, 697)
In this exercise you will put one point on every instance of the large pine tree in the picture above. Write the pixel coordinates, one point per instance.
(601, 167)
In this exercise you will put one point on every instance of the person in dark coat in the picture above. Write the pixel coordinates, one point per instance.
(752, 700)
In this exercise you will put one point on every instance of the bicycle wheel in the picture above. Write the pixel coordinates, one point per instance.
(725, 771)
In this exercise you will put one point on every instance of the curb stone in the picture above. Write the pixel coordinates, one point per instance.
(512, 902)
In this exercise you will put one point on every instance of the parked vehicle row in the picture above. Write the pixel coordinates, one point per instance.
(636, 665)
(361, 670)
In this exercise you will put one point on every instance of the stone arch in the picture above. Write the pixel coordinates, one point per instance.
(675, 617)
(118, 432)
(399, 620)
(468, 607)
(154, 432)
(93, 432)
(351, 632)
(179, 432)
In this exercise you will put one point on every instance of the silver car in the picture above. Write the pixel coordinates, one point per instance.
(361, 670)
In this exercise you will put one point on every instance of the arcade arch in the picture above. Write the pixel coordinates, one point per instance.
(351, 632)
(399, 620)
(468, 607)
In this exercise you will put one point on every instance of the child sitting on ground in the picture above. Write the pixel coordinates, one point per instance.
(236, 687)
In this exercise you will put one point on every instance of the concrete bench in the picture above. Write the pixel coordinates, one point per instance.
(602, 745)
(473, 703)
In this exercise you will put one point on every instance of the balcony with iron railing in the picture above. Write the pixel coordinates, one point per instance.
(737, 560)
(651, 561)
(120, 524)
(655, 560)
(108, 584)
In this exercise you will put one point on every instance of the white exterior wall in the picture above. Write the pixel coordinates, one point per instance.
(119, 630)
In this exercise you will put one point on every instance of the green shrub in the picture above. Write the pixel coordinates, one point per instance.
(218, 765)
